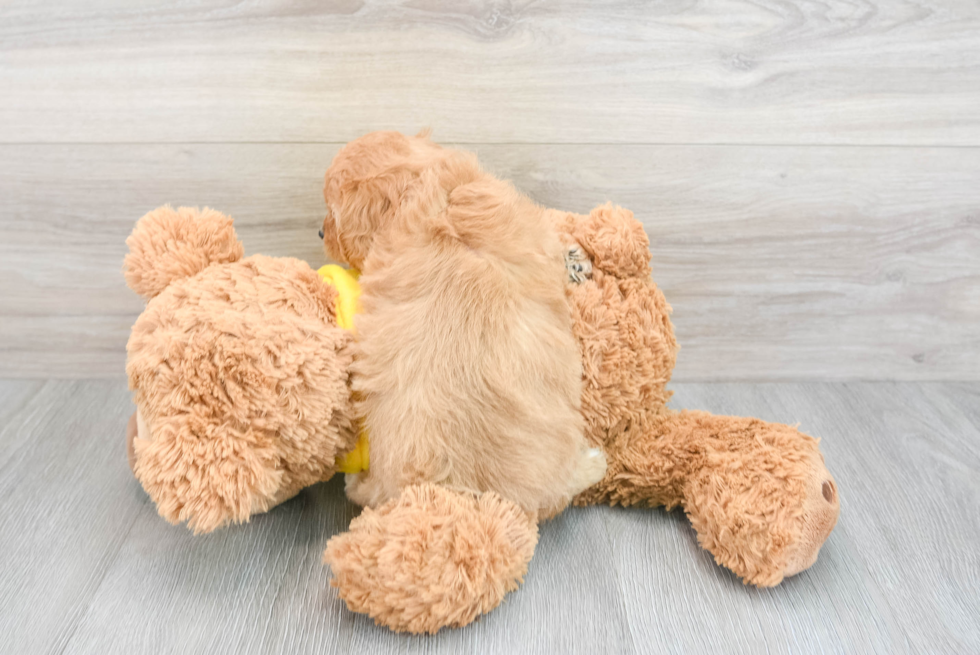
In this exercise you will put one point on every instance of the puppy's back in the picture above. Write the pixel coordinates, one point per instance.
(468, 370)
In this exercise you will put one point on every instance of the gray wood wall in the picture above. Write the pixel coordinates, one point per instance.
(809, 173)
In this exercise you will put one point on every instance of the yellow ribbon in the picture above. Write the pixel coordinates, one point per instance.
(348, 292)
(348, 295)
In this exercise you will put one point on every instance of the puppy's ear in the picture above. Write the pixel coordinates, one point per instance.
(615, 240)
(366, 204)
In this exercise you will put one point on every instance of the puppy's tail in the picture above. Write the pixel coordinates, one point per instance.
(168, 245)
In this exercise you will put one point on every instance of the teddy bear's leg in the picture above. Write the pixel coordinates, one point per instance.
(757, 493)
(432, 558)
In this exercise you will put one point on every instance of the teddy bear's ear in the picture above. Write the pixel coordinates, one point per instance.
(616, 242)
(169, 244)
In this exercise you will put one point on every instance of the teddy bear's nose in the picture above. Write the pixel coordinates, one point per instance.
(321, 232)
(828, 491)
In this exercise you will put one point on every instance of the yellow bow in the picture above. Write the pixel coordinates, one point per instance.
(348, 292)
(348, 295)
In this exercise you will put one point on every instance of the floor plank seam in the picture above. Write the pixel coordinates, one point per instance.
(619, 580)
(282, 579)
(102, 578)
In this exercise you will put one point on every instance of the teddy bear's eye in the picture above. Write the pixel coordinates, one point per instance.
(578, 265)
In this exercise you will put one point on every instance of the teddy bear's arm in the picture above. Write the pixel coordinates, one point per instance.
(757, 493)
(432, 558)
(207, 480)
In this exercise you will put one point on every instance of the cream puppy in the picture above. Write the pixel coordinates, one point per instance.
(466, 371)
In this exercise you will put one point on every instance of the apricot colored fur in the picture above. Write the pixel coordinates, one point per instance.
(255, 405)
(757, 493)
(401, 565)
(466, 368)
(498, 341)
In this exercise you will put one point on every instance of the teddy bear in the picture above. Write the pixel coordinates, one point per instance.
(758, 494)
(241, 372)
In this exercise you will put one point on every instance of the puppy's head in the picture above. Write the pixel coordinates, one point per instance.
(372, 177)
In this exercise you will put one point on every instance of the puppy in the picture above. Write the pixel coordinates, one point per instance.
(467, 373)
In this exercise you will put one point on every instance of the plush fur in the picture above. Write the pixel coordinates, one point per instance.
(238, 371)
(757, 493)
(466, 368)
(498, 341)
(401, 565)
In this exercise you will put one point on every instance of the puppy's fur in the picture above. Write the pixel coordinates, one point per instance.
(467, 372)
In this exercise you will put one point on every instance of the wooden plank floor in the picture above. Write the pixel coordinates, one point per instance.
(808, 173)
(90, 568)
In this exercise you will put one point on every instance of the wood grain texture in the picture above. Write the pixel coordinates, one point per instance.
(629, 72)
(90, 568)
(780, 262)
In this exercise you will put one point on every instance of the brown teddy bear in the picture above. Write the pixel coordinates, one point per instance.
(757, 493)
(241, 372)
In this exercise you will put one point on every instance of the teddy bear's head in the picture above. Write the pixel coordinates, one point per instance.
(238, 370)
(620, 318)
(375, 178)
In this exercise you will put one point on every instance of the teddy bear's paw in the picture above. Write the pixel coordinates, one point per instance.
(763, 506)
(432, 558)
(821, 507)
